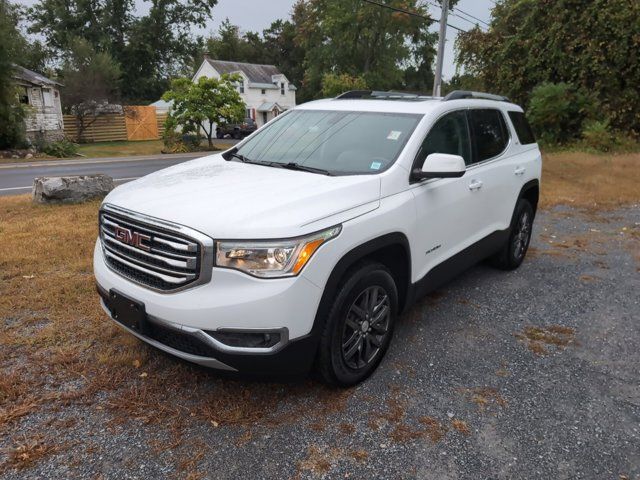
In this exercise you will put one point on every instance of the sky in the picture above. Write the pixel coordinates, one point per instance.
(256, 15)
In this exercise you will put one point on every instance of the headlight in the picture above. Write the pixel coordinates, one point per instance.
(272, 258)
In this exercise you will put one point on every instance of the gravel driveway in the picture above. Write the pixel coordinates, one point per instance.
(527, 374)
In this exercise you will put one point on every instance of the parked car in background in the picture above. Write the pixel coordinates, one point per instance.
(237, 130)
(301, 246)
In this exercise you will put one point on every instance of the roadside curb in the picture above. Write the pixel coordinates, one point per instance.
(97, 160)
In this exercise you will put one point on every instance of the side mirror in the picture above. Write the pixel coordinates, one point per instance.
(441, 165)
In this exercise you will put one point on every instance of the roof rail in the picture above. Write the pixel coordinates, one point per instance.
(460, 94)
(380, 95)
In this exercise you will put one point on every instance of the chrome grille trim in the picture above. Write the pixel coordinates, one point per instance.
(178, 257)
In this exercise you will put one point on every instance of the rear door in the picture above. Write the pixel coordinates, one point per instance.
(490, 174)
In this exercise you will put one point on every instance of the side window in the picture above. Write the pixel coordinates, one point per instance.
(490, 132)
(523, 129)
(449, 135)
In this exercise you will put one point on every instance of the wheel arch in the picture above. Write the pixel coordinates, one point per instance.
(392, 250)
(531, 192)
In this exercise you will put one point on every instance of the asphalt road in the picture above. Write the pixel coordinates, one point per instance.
(18, 178)
(530, 374)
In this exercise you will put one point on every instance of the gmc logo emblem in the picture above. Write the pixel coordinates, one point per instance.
(134, 239)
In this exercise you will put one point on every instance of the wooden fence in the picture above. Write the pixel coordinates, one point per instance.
(119, 127)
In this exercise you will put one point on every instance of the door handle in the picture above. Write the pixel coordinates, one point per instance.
(519, 170)
(475, 185)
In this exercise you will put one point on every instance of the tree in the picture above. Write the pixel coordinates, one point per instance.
(205, 103)
(91, 82)
(149, 48)
(11, 112)
(592, 45)
(360, 39)
(276, 45)
(557, 111)
(333, 84)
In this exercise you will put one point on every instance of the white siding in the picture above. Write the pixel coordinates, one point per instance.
(253, 97)
(44, 117)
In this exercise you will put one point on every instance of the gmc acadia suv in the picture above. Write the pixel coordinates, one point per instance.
(300, 246)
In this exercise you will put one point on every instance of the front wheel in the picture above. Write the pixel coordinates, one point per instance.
(514, 251)
(360, 325)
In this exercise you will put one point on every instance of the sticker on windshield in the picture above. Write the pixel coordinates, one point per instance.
(394, 135)
(375, 165)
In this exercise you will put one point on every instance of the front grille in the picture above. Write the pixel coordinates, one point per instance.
(168, 260)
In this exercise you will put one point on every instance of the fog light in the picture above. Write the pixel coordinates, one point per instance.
(247, 339)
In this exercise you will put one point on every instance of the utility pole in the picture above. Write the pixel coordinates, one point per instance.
(441, 39)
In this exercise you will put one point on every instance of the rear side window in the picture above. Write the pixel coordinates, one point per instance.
(523, 129)
(490, 133)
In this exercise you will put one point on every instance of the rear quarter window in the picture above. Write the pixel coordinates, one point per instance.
(522, 127)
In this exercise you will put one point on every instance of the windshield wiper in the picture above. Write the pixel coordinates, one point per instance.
(233, 153)
(302, 168)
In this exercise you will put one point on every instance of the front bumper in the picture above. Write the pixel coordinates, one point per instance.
(231, 300)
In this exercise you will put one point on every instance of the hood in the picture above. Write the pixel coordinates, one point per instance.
(233, 200)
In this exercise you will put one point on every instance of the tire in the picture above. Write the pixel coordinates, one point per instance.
(347, 354)
(515, 249)
(236, 135)
(219, 134)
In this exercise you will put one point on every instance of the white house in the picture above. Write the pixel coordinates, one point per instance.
(265, 90)
(44, 110)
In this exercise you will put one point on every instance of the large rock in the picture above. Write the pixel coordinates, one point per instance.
(73, 189)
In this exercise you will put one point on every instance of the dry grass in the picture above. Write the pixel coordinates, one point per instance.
(484, 397)
(58, 348)
(433, 428)
(461, 426)
(540, 339)
(25, 452)
(589, 180)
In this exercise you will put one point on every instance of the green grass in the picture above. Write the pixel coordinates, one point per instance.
(108, 149)
(120, 149)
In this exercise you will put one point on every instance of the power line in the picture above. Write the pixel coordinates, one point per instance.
(470, 16)
(395, 9)
(475, 24)
(413, 14)
(463, 18)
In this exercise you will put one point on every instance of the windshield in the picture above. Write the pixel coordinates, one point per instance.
(338, 142)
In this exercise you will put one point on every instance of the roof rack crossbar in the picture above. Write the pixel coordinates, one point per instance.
(462, 94)
(375, 94)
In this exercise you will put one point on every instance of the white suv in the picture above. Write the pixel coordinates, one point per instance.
(300, 246)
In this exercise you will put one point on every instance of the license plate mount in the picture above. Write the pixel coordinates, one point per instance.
(127, 311)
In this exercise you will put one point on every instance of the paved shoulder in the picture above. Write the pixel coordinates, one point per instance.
(18, 178)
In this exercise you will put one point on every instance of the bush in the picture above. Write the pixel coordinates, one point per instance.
(12, 127)
(597, 135)
(62, 148)
(557, 112)
(177, 142)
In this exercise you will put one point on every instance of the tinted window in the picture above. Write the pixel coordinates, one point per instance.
(341, 142)
(449, 135)
(523, 129)
(489, 133)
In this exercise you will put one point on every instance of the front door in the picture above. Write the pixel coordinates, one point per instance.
(444, 206)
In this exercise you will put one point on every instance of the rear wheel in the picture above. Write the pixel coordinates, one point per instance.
(514, 251)
(360, 325)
